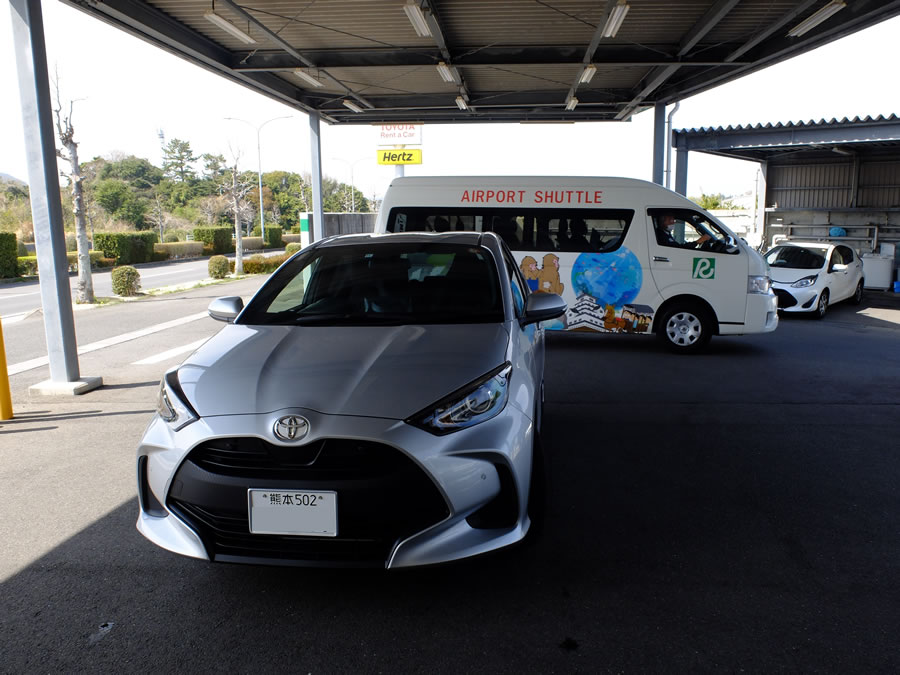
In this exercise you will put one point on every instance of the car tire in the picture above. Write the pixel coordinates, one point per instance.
(822, 305)
(857, 297)
(685, 328)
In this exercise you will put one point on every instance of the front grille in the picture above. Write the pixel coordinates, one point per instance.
(785, 299)
(383, 497)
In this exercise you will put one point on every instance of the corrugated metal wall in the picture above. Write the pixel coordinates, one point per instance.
(828, 185)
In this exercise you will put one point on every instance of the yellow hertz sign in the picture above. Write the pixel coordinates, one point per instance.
(398, 156)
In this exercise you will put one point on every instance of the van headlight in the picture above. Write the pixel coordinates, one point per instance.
(805, 282)
(171, 404)
(759, 285)
(472, 404)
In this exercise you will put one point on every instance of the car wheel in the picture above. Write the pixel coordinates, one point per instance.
(858, 294)
(822, 305)
(685, 328)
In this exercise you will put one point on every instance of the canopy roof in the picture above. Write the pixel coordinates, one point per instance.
(365, 61)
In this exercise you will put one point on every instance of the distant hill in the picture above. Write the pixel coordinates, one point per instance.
(6, 178)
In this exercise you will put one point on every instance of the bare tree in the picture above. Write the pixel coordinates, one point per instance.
(84, 289)
(157, 215)
(235, 189)
(212, 207)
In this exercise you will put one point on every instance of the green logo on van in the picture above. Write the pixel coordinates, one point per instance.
(704, 268)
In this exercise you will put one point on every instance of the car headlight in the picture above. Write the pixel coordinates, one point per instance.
(805, 281)
(171, 404)
(759, 285)
(473, 404)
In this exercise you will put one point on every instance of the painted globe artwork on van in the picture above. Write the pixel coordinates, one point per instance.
(613, 278)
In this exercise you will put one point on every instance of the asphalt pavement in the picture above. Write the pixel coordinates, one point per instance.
(733, 511)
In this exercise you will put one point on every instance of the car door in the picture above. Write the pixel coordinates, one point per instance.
(839, 278)
(682, 264)
(528, 342)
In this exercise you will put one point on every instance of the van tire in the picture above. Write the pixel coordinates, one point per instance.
(685, 328)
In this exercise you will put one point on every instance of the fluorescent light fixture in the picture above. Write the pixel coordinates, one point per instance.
(571, 102)
(445, 72)
(814, 20)
(309, 79)
(461, 103)
(616, 17)
(588, 73)
(229, 27)
(417, 18)
(350, 104)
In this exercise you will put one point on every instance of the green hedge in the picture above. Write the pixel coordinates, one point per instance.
(251, 243)
(180, 249)
(292, 248)
(259, 264)
(273, 236)
(27, 264)
(9, 250)
(218, 267)
(291, 238)
(126, 247)
(217, 237)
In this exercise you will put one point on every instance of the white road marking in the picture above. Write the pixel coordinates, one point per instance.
(161, 274)
(109, 342)
(6, 296)
(164, 356)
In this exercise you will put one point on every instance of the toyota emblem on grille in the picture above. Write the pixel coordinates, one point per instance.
(291, 428)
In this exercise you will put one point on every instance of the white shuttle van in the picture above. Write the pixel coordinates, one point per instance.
(627, 255)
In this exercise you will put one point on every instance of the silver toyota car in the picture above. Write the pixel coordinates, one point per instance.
(377, 403)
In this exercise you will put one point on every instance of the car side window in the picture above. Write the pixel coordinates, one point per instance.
(519, 291)
(682, 228)
(846, 254)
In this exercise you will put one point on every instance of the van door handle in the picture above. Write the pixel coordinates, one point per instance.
(659, 258)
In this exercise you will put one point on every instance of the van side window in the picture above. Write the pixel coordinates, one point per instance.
(523, 229)
(683, 228)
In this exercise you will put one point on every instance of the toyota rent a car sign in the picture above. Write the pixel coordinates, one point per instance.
(399, 134)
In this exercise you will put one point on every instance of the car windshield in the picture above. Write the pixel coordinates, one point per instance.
(386, 284)
(796, 257)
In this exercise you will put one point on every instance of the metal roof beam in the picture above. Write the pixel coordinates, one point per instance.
(763, 139)
(660, 74)
(433, 19)
(258, 60)
(237, 9)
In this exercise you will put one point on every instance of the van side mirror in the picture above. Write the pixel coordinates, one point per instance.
(543, 307)
(226, 309)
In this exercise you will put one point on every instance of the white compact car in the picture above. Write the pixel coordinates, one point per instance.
(377, 403)
(808, 277)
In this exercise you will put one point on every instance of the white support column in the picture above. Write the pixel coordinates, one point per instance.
(659, 142)
(315, 146)
(46, 208)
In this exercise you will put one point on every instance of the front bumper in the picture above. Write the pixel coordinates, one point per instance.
(761, 316)
(405, 497)
(792, 299)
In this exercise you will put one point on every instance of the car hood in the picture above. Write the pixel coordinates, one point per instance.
(788, 275)
(370, 371)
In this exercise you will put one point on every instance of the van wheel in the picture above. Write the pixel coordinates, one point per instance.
(822, 305)
(857, 294)
(685, 328)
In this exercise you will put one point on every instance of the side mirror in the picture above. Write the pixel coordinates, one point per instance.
(543, 307)
(226, 309)
(839, 267)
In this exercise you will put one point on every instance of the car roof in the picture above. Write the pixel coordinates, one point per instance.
(807, 244)
(463, 238)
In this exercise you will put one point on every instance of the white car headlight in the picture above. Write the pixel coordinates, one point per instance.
(805, 281)
(759, 285)
(171, 404)
(477, 402)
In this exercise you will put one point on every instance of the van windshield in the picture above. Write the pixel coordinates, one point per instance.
(598, 230)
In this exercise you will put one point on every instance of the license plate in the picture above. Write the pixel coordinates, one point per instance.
(301, 512)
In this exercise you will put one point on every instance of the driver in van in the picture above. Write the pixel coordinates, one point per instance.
(664, 237)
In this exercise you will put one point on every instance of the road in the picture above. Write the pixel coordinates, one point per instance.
(20, 298)
(733, 511)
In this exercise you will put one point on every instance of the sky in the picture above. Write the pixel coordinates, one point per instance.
(126, 91)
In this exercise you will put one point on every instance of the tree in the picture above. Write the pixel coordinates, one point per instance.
(235, 187)
(713, 202)
(65, 131)
(121, 202)
(137, 172)
(177, 160)
(157, 215)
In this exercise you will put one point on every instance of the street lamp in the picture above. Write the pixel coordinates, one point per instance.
(262, 215)
(352, 186)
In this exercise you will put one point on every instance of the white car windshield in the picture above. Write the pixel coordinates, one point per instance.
(407, 283)
(796, 257)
